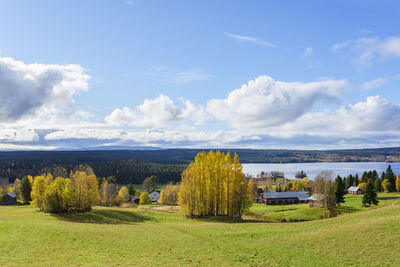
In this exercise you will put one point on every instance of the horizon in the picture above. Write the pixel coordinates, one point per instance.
(206, 75)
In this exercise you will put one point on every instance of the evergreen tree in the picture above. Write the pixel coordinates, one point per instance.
(365, 177)
(377, 185)
(131, 190)
(369, 195)
(356, 180)
(391, 177)
(349, 181)
(25, 190)
(340, 190)
(374, 175)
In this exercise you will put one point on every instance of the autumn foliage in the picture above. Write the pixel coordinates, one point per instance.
(214, 184)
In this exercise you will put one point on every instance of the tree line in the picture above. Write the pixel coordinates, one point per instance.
(125, 171)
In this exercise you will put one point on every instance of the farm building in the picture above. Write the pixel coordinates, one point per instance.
(283, 198)
(155, 195)
(9, 199)
(354, 190)
(316, 200)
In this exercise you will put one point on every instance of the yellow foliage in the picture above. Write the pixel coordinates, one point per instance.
(214, 184)
(169, 196)
(398, 183)
(85, 188)
(145, 198)
(123, 195)
(38, 191)
(362, 186)
(386, 185)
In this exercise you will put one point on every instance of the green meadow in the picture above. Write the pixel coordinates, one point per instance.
(128, 236)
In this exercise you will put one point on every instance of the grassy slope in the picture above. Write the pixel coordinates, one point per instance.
(130, 236)
(303, 212)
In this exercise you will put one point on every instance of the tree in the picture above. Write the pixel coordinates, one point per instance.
(131, 190)
(363, 186)
(150, 184)
(252, 189)
(4, 184)
(25, 189)
(369, 195)
(340, 190)
(214, 184)
(59, 196)
(108, 193)
(123, 195)
(392, 179)
(398, 183)
(111, 179)
(38, 191)
(349, 181)
(377, 185)
(144, 198)
(85, 188)
(356, 181)
(323, 185)
(301, 174)
(386, 185)
(169, 196)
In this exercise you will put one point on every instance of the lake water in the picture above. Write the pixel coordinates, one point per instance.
(313, 169)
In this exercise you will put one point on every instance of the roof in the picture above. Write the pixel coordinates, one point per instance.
(301, 195)
(317, 197)
(354, 188)
(157, 191)
(12, 195)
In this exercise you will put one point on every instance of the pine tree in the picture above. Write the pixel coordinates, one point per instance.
(339, 190)
(370, 196)
(26, 189)
(356, 181)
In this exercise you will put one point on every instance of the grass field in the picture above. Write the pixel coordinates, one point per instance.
(132, 236)
(302, 212)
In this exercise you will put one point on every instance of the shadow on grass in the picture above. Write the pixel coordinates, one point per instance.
(347, 209)
(104, 217)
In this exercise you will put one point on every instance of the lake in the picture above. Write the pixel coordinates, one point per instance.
(313, 169)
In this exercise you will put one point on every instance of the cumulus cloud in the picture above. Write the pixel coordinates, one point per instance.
(375, 114)
(158, 112)
(373, 84)
(244, 38)
(27, 88)
(367, 50)
(264, 102)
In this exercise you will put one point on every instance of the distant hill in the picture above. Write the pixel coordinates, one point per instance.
(184, 156)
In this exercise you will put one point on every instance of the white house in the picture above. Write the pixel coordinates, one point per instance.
(155, 195)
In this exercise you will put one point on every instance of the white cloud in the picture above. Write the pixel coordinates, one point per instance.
(29, 89)
(308, 52)
(159, 112)
(243, 38)
(264, 102)
(366, 50)
(373, 84)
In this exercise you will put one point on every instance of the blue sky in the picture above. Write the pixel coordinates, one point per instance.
(258, 74)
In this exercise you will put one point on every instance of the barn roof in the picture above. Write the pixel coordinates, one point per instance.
(317, 197)
(12, 195)
(301, 195)
(354, 188)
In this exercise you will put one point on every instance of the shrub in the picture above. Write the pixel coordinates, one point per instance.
(145, 198)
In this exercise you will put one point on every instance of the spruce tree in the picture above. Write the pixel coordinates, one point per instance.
(339, 190)
(131, 190)
(26, 189)
(369, 195)
(349, 181)
(356, 180)
(391, 177)
(377, 185)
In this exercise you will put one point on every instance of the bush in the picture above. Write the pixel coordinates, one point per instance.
(169, 196)
(145, 198)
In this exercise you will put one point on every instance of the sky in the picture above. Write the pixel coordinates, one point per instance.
(199, 74)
